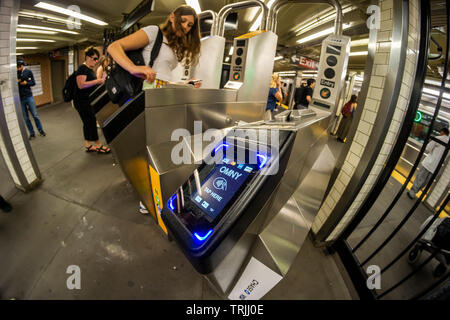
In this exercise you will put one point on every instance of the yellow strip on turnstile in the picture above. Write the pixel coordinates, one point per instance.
(157, 197)
(397, 176)
(251, 34)
(282, 105)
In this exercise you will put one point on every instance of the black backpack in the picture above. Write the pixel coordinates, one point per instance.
(442, 237)
(70, 87)
(120, 84)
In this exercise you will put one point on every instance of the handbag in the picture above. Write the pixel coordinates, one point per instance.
(121, 85)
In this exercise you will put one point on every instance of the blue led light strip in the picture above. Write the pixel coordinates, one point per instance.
(264, 160)
(221, 145)
(171, 203)
(204, 237)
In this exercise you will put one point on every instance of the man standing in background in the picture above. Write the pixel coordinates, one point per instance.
(303, 94)
(25, 80)
(430, 163)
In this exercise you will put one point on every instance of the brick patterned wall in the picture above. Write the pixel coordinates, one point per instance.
(367, 121)
(11, 105)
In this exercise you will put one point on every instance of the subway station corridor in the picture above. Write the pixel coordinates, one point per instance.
(227, 151)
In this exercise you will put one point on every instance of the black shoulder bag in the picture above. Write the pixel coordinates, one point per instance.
(120, 84)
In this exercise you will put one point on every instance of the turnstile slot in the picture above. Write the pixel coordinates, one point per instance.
(119, 120)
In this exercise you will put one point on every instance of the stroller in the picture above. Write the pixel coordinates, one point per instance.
(436, 238)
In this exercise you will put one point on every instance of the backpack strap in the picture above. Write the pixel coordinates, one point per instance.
(156, 47)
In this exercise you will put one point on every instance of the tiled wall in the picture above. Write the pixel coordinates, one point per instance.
(13, 142)
(369, 115)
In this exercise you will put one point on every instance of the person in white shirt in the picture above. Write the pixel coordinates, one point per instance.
(181, 43)
(429, 164)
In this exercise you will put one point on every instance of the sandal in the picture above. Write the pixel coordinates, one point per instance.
(103, 150)
(91, 148)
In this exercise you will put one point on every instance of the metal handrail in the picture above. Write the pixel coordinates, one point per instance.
(219, 28)
(208, 13)
(272, 19)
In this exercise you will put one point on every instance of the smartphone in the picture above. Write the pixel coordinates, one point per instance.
(194, 81)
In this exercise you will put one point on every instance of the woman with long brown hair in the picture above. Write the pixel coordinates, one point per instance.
(181, 43)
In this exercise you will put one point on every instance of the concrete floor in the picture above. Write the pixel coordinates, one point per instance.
(85, 214)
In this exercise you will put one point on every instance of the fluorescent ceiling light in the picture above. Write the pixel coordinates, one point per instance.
(231, 51)
(227, 59)
(435, 93)
(361, 42)
(34, 40)
(36, 15)
(70, 13)
(278, 58)
(436, 83)
(257, 22)
(321, 34)
(25, 48)
(323, 18)
(358, 53)
(35, 31)
(194, 4)
(45, 28)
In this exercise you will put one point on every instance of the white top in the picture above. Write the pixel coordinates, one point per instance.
(435, 154)
(166, 61)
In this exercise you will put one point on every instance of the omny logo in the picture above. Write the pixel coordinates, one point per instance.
(220, 183)
(189, 149)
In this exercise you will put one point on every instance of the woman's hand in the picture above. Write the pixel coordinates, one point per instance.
(144, 72)
(195, 82)
(101, 80)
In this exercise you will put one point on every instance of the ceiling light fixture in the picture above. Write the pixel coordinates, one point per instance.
(49, 17)
(34, 40)
(231, 51)
(321, 34)
(324, 18)
(358, 53)
(70, 13)
(23, 30)
(194, 4)
(46, 28)
(25, 48)
(278, 58)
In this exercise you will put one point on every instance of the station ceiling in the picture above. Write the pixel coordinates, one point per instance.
(292, 19)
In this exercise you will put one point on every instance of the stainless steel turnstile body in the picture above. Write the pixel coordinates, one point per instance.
(267, 249)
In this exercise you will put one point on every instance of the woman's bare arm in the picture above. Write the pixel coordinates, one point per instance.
(83, 84)
(134, 41)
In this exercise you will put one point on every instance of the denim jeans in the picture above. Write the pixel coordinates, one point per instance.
(29, 101)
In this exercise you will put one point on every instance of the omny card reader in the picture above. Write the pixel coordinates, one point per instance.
(213, 208)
